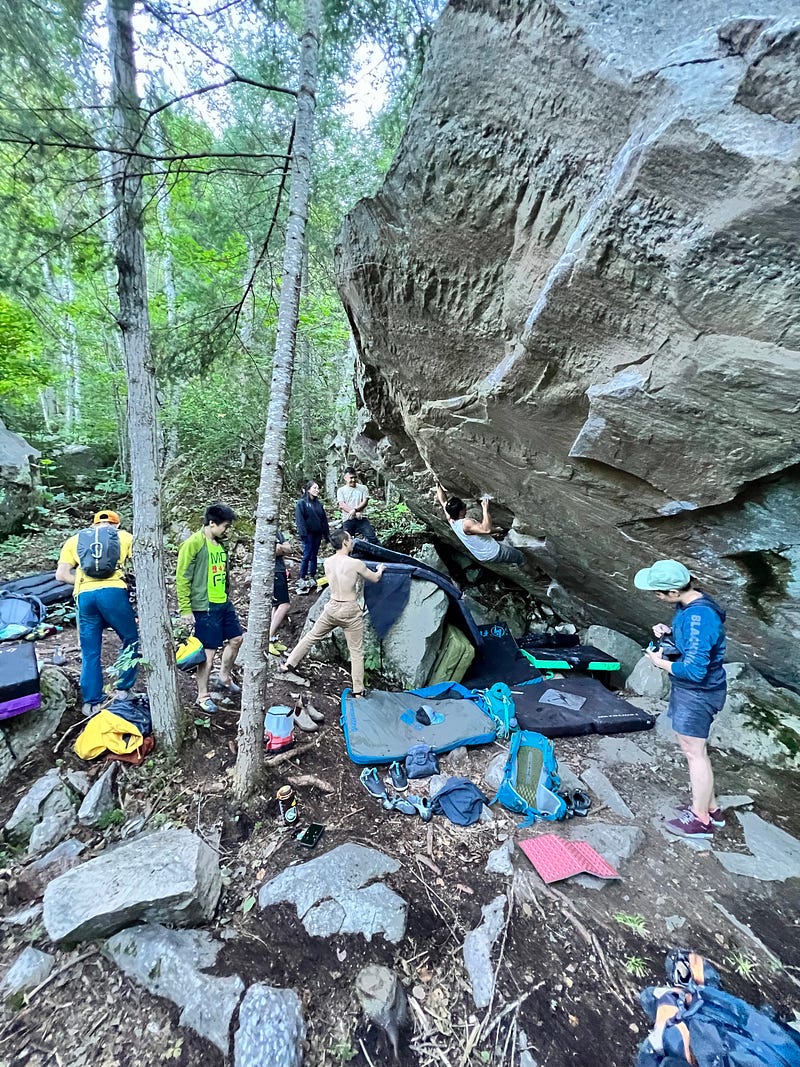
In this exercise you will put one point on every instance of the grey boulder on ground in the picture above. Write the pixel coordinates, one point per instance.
(499, 861)
(34, 877)
(493, 774)
(614, 843)
(383, 1000)
(171, 876)
(29, 969)
(170, 963)
(99, 801)
(759, 720)
(647, 680)
(776, 854)
(338, 893)
(614, 750)
(271, 1029)
(478, 951)
(605, 791)
(20, 736)
(615, 644)
(19, 479)
(44, 815)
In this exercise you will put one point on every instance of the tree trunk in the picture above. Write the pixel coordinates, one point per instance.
(250, 760)
(143, 433)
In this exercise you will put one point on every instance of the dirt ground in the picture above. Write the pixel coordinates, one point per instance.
(570, 961)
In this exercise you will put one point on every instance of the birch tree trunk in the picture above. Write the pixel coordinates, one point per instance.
(250, 759)
(143, 432)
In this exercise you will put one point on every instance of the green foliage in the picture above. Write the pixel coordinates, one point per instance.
(743, 965)
(22, 373)
(637, 923)
(115, 817)
(636, 966)
(393, 520)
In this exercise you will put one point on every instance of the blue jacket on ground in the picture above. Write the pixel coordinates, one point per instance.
(699, 634)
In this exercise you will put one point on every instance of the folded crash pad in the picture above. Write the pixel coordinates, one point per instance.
(19, 679)
(45, 586)
(569, 707)
(382, 727)
(499, 659)
(566, 654)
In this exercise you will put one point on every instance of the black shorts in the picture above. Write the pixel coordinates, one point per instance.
(280, 588)
(217, 625)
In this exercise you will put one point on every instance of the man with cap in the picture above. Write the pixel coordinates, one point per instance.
(94, 562)
(698, 683)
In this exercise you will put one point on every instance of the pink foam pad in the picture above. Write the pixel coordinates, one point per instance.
(556, 859)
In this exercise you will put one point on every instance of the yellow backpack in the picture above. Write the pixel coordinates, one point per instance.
(106, 731)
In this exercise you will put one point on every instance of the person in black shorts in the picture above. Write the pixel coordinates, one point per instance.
(280, 594)
(202, 582)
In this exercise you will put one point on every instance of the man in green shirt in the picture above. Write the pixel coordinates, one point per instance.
(202, 582)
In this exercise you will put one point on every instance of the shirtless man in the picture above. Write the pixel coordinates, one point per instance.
(345, 577)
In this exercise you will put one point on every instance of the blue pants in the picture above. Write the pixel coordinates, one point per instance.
(98, 609)
(360, 528)
(308, 564)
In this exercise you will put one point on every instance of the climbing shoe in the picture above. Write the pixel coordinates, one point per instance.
(374, 786)
(398, 776)
(276, 649)
(304, 721)
(206, 705)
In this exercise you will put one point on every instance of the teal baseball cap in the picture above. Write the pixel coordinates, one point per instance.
(665, 574)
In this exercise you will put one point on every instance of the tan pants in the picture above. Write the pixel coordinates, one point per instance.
(350, 617)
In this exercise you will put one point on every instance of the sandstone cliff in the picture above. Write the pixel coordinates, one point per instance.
(578, 289)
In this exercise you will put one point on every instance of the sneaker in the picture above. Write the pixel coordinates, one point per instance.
(226, 687)
(207, 705)
(281, 647)
(398, 776)
(372, 783)
(91, 708)
(717, 818)
(688, 825)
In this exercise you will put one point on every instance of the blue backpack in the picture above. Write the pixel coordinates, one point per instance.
(530, 780)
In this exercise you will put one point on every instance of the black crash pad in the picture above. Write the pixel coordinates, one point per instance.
(498, 659)
(571, 707)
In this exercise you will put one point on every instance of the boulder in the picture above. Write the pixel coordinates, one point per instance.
(775, 854)
(44, 815)
(408, 651)
(171, 876)
(614, 843)
(20, 736)
(605, 792)
(615, 644)
(32, 879)
(759, 720)
(79, 466)
(170, 963)
(338, 893)
(19, 479)
(647, 680)
(99, 802)
(500, 861)
(271, 1029)
(29, 969)
(557, 262)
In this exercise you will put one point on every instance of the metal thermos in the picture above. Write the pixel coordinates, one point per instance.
(287, 804)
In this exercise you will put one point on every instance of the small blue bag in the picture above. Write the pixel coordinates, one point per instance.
(421, 762)
(530, 780)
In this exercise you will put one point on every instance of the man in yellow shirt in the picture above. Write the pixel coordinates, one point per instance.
(94, 563)
(202, 582)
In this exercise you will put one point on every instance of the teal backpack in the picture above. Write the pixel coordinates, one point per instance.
(530, 780)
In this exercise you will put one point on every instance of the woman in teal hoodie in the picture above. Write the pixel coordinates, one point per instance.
(698, 686)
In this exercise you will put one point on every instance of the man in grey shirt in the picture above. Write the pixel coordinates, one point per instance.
(352, 498)
(476, 536)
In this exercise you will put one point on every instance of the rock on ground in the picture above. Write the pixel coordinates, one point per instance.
(28, 811)
(759, 720)
(34, 877)
(614, 843)
(776, 854)
(170, 963)
(493, 774)
(99, 801)
(605, 791)
(29, 969)
(170, 876)
(615, 644)
(271, 1029)
(478, 951)
(21, 735)
(19, 479)
(499, 861)
(339, 893)
(614, 750)
(383, 1000)
(647, 680)
(568, 294)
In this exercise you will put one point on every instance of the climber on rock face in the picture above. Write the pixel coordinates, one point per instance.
(476, 536)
